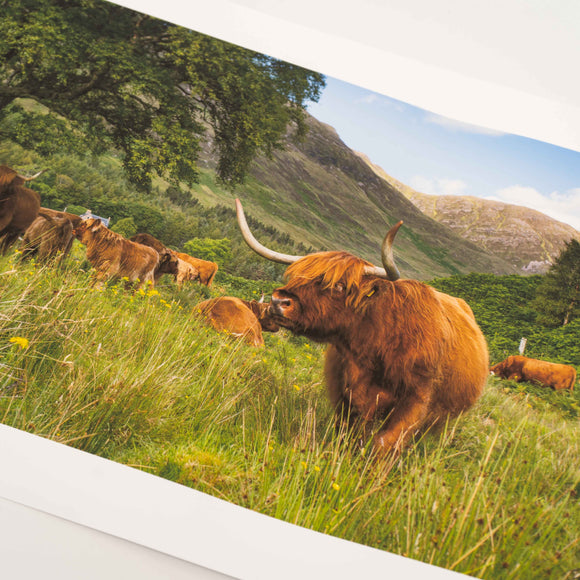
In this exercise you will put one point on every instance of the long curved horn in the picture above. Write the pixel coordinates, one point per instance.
(390, 270)
(255, 245)
(34, 176)
(387, 253)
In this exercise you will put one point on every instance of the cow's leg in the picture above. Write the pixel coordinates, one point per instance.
(357, 400)
(406, 418)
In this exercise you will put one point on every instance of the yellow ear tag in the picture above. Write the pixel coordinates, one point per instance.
(371, 293)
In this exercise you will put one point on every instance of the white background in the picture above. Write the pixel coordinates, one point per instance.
(509, 65)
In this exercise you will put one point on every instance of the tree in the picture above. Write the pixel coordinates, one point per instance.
(557, 300)
(108, 77)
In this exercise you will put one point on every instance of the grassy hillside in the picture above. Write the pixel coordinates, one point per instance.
(137, 379)
(324, 195)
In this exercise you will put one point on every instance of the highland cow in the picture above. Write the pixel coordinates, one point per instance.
(19, 206)
(113, 256)
(205, 269)
(521, 368)
(402, 355)
(50, 235)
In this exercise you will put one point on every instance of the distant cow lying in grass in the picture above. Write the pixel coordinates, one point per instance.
(50, 235)
(206, 270)
(113, 256)
(521, 368)
(168, 260)
(238, 317)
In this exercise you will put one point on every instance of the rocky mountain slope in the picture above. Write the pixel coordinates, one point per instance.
(525, 238)
(323, 194)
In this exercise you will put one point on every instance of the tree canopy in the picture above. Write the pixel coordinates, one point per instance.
(558, 297)
(92, 75)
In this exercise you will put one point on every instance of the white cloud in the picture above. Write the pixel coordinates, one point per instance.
(372, 98)
(564, 207)
(453, 125)
(368, 99)
(440, 186)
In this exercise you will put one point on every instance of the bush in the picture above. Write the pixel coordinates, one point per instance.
(126, 227)
(218, 251)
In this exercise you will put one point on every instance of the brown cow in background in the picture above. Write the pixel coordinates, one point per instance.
(50, 235)
(168, 260)
(521, 368)
(401, 354)
(238, 317)
(113, 256)
(207, 270)
(185, 272)
(19, 206)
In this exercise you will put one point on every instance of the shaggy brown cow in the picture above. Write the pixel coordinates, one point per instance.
(18, 206)
(401, 353)
(168, 260)
(113, 256)
(521, 368)
(207, 270)
(238, 317)
(50, 235)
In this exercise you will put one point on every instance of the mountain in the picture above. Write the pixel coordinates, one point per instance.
(527, 239)
(326, 196)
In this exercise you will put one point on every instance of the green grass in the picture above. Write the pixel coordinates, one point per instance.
(137, 379)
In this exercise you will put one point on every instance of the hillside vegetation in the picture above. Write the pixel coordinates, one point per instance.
(317, 194)
(134, 377)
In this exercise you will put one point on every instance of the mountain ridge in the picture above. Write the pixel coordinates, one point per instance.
(526, 238)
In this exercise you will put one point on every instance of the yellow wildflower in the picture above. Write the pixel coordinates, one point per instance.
(304, 464)
(296, 387)
(20, 341)
(316, 468)
(335, 486)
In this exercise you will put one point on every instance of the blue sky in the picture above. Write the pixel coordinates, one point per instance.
(437, 155)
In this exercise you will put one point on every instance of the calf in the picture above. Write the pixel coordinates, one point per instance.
(113, 256)
(238, 317)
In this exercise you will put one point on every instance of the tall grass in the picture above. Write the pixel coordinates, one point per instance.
(136, 378)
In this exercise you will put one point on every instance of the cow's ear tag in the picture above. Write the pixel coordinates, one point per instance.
(371, 292)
